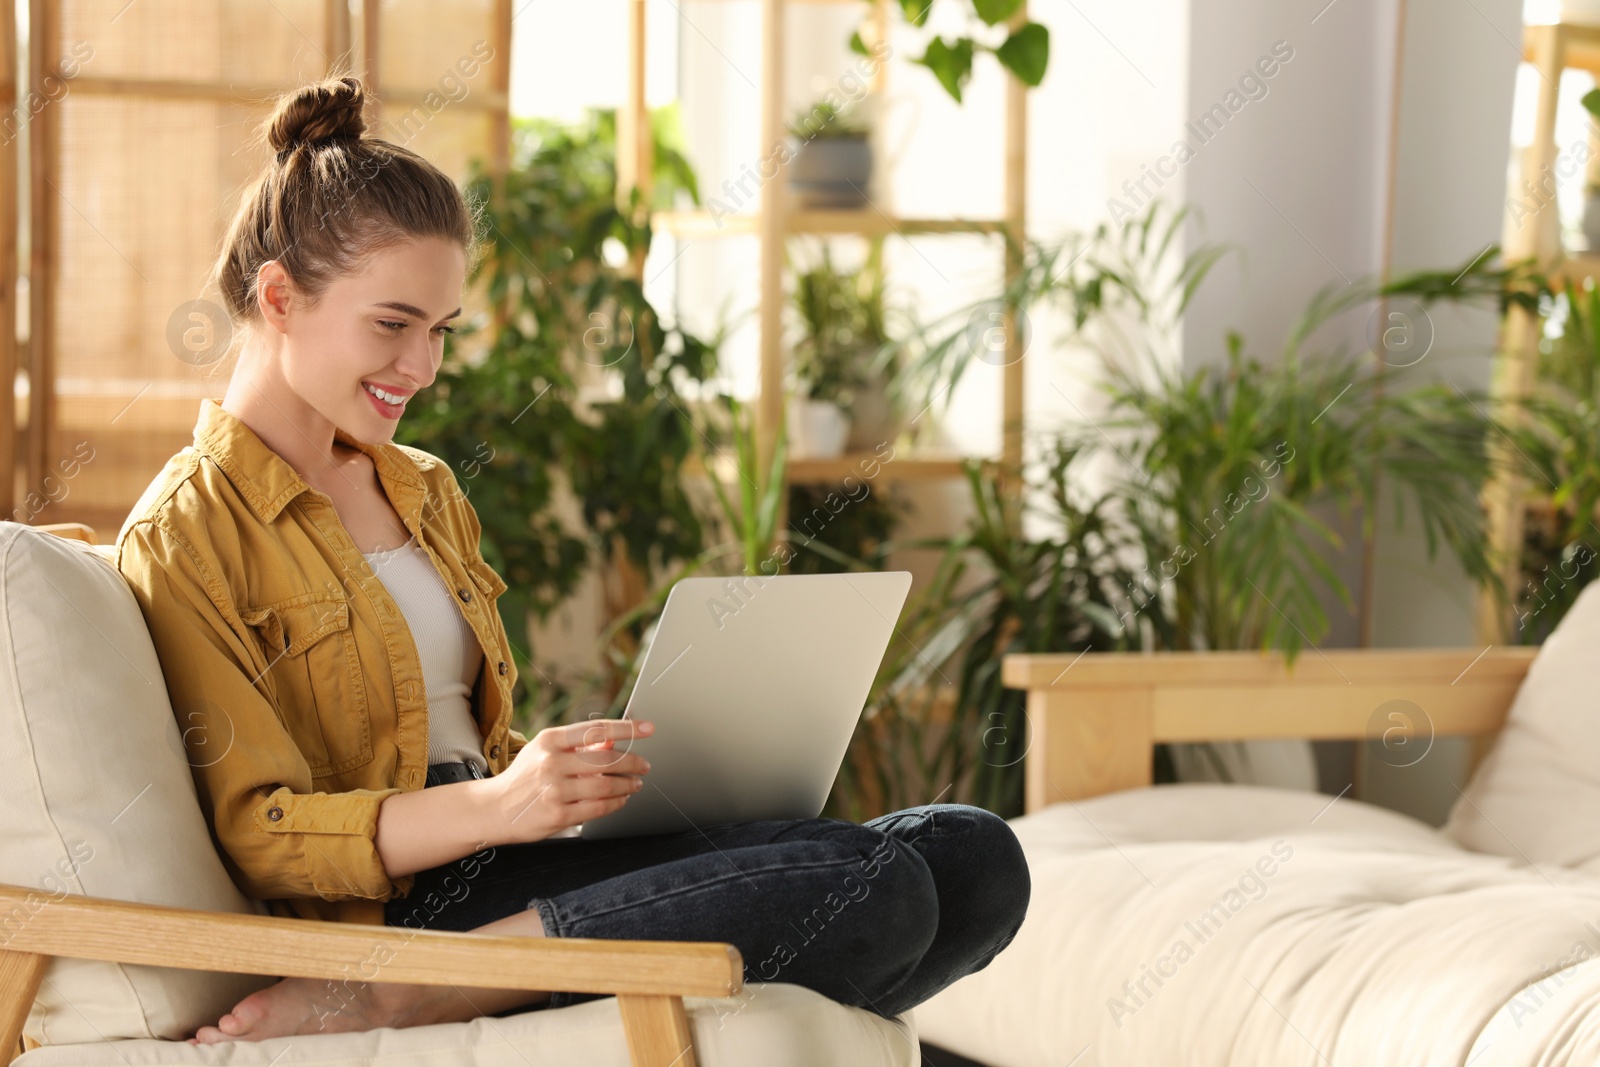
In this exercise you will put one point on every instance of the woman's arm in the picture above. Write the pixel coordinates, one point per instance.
(569, 774)
(431, 827)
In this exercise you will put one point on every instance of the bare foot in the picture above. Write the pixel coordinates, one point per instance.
(325, 1006)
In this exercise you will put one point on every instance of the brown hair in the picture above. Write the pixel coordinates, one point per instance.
(330, 197)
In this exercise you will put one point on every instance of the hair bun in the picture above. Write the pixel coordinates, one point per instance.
(328, 110)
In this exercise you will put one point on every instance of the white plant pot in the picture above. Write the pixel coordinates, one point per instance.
(818, 429)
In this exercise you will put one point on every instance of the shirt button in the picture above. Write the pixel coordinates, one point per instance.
(494, 752)
(502, 666)
(275, 814)
(464, 595)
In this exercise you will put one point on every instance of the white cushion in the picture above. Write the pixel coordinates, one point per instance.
(97, 793)
(1536, 796)
(1314, 931)
(770, 1025)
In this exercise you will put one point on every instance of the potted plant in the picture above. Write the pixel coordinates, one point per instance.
(832, 161)
(838, 402)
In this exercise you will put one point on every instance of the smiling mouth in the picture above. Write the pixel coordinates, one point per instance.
(392, 399)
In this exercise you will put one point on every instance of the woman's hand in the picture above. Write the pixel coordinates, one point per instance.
(566, 775)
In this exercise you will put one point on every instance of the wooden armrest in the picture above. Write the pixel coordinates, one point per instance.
(1095, 720)
(650, 978)
(75, 531)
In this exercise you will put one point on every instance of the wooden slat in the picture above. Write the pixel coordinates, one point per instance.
(657, 1029)
(1319, 711)
(20, 975)
(9, 191)
(1095, 719)
(1344, 666)
(1083, 745)
(125, 932)
(819, 221)
(72, 531)
(44, 169)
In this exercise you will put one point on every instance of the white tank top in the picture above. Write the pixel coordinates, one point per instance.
(450, 653)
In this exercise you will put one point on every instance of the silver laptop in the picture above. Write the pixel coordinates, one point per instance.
(755, 686)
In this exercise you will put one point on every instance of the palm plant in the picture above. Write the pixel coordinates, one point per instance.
(938, 721)
(1212, 530)
(1557, 436)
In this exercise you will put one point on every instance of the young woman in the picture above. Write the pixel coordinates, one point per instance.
(342, 681)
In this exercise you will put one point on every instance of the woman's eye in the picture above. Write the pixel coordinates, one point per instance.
(395, 327)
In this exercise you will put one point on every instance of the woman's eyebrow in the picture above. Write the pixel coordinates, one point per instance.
(410, 309)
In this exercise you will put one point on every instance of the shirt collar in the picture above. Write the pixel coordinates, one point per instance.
(267, 481)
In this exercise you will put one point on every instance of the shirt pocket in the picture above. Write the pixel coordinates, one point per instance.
(489, 584)
(316, 672)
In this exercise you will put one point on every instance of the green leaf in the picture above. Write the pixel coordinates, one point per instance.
(993, 11)
(857, 45)
(1026, 53)
(951, 63)
(916, 11)
(1591, 101)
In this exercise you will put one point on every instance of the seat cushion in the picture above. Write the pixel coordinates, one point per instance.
(770, 1025)
(1254, 926)
(1536, 796)
(98, 795)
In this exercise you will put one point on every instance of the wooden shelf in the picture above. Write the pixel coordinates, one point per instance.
(1575, 267)
(927, 466)
(1580, 45)
(865, 221)
(903, 466)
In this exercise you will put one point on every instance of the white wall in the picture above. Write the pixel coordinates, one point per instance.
(1450, 194)
(1297, 181)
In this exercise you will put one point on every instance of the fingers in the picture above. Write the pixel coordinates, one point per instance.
(591, 762)
(592, 733)
(586, 810)
(590, 786)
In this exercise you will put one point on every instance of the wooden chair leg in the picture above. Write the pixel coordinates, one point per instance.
(20, 976)
(658, 1030)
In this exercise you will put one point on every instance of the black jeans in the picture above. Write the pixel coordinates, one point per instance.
(880, 915)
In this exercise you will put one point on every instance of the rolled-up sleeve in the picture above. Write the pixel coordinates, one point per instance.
(277, 838)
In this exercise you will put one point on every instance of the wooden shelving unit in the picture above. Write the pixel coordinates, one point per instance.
(1550, 48)
(777, 219)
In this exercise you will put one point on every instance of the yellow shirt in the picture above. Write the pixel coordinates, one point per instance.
(295, 682)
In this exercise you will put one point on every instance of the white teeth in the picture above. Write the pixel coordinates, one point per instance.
(388, 398)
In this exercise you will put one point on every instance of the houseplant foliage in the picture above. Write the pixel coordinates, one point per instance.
(1024, 50)
(1212, 529)
(938, 722)
(1558, 437)
(523, 417)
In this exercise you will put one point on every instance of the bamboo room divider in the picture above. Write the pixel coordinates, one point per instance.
(138, 164)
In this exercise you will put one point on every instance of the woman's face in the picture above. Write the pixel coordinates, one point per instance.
(381, 327)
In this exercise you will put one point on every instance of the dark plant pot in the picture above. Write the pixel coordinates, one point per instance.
(831, 172)
(1591, 220)
(873, 420)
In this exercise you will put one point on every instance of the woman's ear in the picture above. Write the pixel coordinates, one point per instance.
(273, 293)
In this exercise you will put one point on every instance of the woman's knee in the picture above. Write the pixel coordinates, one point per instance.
(892, 881)
(978, 855)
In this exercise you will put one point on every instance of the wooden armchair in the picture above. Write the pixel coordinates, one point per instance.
(649, 978)
(1095, 720)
